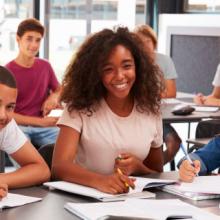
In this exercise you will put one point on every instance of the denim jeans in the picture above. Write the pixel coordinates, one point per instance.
(40, 136)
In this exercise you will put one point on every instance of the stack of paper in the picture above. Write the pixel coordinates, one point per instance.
(206, 108)
(140, 184)
(203, 187)
(140, 208)
(13, 200)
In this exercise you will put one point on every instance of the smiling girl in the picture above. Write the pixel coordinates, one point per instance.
(112, 93)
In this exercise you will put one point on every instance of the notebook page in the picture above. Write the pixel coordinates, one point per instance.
(205, 108)
(140, 184)
(175, 189)
(171, 207)
(203, 184)
(13, 200)
(140, 208)
(93, 211)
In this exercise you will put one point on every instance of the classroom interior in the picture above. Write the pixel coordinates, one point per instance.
(188, 31)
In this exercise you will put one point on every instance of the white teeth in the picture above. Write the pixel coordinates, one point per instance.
(120, 86)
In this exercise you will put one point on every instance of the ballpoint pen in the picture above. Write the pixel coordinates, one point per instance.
(187, 156)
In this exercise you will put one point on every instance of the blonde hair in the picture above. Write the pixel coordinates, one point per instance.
(146, 31)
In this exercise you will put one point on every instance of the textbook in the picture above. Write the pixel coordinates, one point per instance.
(13, 200)
(203, 187)
(139, 208)
(141, 183)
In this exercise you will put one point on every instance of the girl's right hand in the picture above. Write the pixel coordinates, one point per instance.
(187, 172)
(3, 190)
(114, 183)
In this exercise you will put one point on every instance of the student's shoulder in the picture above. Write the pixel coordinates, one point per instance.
(10, 64)
(9, 127)
(163, 57)
(40, 61)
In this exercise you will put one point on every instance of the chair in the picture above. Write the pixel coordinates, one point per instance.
(2, 161)
(197, 143)
(46, 152)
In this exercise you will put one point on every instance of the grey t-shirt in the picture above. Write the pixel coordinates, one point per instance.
(166, 65)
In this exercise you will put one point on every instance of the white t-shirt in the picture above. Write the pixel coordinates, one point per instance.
(105, 135)
(216, 80)
(11, 138)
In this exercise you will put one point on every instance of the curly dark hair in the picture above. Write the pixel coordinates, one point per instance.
(82, 84)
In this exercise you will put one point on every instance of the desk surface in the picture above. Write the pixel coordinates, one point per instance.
(195, 116)
(51, 208)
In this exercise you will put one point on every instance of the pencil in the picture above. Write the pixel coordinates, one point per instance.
(120, 172)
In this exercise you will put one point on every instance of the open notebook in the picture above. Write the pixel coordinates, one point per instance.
(203, 187)
(13, 200)
(140, 184)
(140, 208)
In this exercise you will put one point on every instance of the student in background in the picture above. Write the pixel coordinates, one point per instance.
(209, 128)
(166, 65)
(214, 97)
(38, 88)
(112, 94)
(3, 190)
(33, 169)
(205, 160)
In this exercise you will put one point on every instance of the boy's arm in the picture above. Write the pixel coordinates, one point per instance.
(35, 121)
(33, 168)
(52, 101)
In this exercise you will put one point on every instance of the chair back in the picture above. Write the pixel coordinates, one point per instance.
(2, 161)
(46, 152)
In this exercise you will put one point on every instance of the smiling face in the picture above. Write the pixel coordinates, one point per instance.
(29, 43)
(118, 73)
(7, 104)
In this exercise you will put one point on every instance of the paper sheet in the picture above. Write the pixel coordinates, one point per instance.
(140, 208)
(13, 200)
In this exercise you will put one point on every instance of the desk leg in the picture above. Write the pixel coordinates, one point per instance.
(189, 127)
(172, 165)
(2, 162)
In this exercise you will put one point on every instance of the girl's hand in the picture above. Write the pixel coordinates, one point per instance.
(187, 172)
(128, 164)
(3, 190)
(114, 183)
(199, 99)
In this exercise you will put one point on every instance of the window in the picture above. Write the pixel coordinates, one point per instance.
(104, 10)
(71, 21)
(140, 12)
(203, 6)
(11, 13)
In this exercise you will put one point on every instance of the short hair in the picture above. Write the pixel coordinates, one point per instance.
(147, 31)
(6, 78)
(82, 85)
(30, 24)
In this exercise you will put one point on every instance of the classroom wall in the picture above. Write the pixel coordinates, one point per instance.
(195, 57)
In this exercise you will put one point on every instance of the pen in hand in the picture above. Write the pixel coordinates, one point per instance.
(187, 156)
